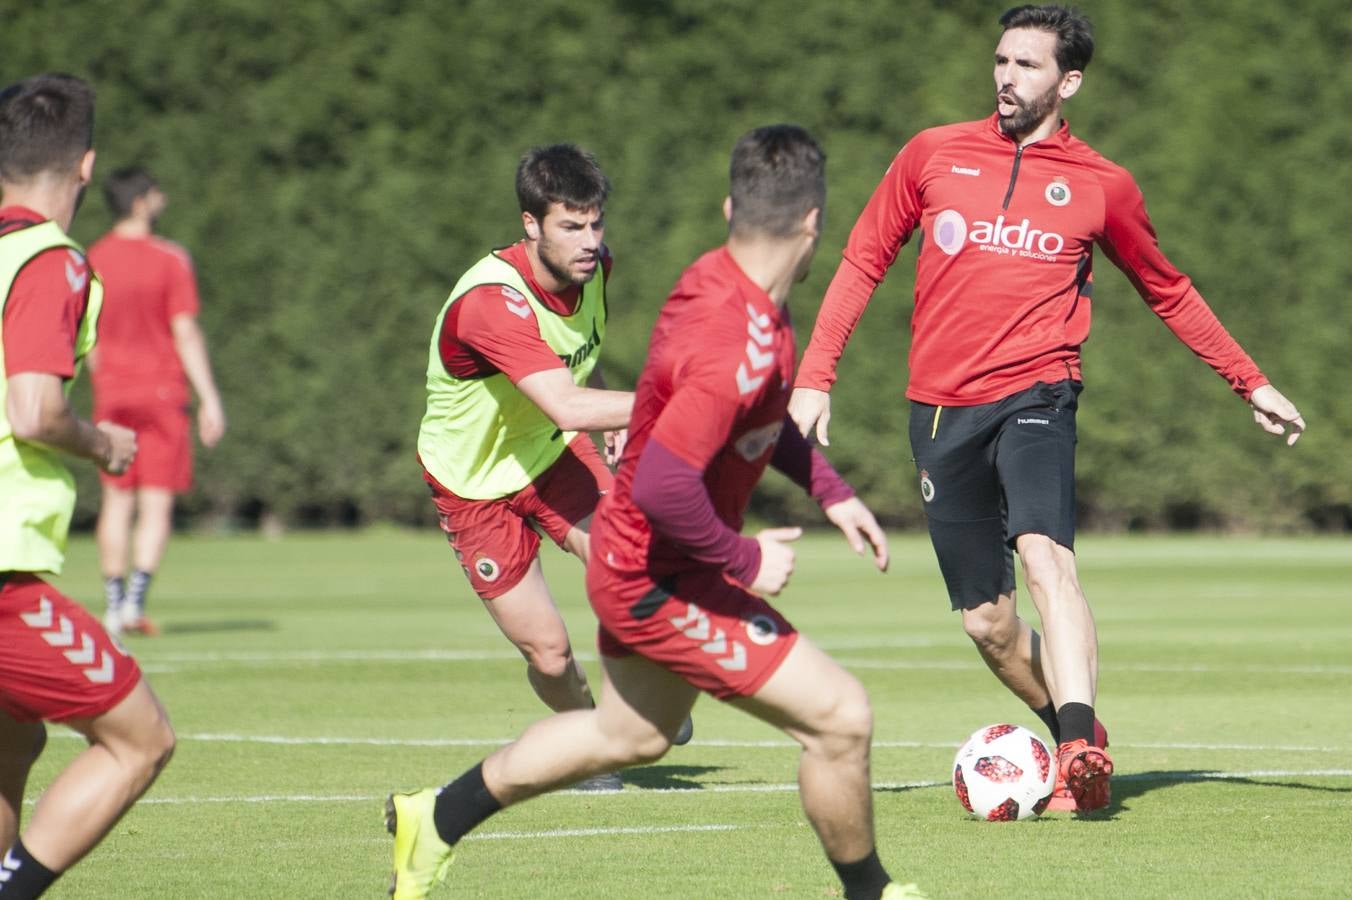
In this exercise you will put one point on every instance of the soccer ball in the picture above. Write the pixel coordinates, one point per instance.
(1004, 773)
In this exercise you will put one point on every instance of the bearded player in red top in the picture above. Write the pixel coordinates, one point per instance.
(1011, 207)
(678, 591)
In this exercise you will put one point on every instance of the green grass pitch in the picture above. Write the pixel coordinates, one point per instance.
(309, 676)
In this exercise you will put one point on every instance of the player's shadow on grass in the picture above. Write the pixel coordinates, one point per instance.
(669, 778)
(1134, 784)
(217, 626)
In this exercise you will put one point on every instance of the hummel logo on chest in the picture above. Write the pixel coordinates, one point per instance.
(963, 170)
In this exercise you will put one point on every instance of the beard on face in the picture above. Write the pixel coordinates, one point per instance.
(1030, 113)
(559, 267)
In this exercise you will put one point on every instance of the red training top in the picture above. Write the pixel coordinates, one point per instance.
(147, 281)
(1004, 278)
(45, 305)
(713, 394)
(484, 333)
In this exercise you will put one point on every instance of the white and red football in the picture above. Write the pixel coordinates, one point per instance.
(1004, 773)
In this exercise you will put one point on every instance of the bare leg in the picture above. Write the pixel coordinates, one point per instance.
(128, 746)
(114, 530)
(1070, 650)
(823, 707)
(642, 707)
(154, 521)
(526, 614)
(21, 744)
(1011, 648)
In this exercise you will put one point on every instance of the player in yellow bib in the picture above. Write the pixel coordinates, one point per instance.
(512, 390)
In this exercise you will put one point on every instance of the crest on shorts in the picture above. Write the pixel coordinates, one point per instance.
(926, 486)
(1057, 192)
(486, 568)
(762, 630)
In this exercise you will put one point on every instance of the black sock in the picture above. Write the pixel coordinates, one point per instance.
(1077, 722)
(463, 804)
(114, 590)
(863, 880)
(137, 587)
(1048, 716)
(21, 876)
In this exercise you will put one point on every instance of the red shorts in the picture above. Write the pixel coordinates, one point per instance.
(56, 661)
(163, 445)
(497, 540)
(717, 635)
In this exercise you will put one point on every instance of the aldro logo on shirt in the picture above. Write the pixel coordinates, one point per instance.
(952, 233)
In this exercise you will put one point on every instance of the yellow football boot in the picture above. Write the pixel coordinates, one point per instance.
(421, 857)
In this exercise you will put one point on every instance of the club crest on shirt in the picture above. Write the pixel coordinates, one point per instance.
(1057, 192)
(926, 486)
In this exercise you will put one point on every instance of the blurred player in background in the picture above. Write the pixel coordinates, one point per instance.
(1011, 207)
(678, 590)
(512, 388)
(149, 340)
(56, 662)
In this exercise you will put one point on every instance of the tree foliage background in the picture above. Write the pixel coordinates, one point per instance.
(334, 166)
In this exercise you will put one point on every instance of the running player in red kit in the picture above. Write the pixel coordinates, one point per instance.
(678, 591)
(1011, 207)
(56, 662)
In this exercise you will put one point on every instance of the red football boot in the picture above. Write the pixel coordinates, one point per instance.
(1062, 800)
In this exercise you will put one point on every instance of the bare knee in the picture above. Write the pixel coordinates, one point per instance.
(641, 747)
(847, 727)
(993, 627)
(550, 659)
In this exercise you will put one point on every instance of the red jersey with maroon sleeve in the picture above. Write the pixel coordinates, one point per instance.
(1004, 277)
(45, 305)
(481, 335)
(713, 393)
(147, 282)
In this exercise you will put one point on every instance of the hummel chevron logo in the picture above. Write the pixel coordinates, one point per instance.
(761, 319)
(63, 635)
(695, 624)
(104, 673)
(76, 278)
(737, 662)
(745, 383)
(758, 359)
(40, 619)
(522, 311)
(758, 351)
(85, 655)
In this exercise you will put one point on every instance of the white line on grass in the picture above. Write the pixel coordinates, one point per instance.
(697, 789)
(342, 741)
(422, 656)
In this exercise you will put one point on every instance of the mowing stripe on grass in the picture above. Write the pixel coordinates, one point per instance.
(341, 741)
(785, 788)
(168, 662)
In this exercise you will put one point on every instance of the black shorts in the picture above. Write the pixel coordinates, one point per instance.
(990, 473)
